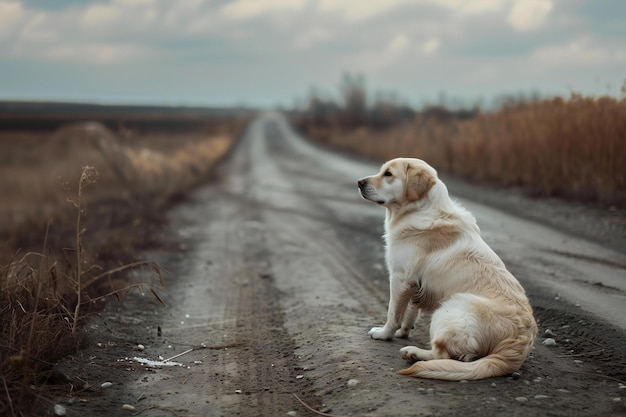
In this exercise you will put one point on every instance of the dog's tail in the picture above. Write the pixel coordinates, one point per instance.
(506, 358)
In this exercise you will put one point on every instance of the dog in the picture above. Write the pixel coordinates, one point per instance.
(482, 324)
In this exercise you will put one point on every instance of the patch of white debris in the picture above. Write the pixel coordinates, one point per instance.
(155, 363)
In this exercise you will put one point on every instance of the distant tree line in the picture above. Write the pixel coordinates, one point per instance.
(354, 109)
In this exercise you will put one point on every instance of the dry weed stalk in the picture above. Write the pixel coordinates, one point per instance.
(87, 177)
(83, 278)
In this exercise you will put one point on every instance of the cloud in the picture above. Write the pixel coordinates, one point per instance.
(93, 35)
(36, 30)
(480, 6)
(120, 17)
(11, 14)
(360, 10)
(135, 2)
(398, 44)
(579, 53)
(355, 11)
(430, 46)
(186, 18)
(105, 32)
(102, 16)
(528, 15)
(105, 53)
(250, 9)
(312, 37)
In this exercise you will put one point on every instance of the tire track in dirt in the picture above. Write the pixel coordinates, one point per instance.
(355, 275)
(328, 302)
(327, 283)
(263, 371)
(228, 299)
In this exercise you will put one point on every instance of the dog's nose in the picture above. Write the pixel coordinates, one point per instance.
(361, 182)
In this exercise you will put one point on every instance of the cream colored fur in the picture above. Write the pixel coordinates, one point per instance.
(482, 323)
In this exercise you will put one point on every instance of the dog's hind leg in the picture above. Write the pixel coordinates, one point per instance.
(413, 354)
(454, 332)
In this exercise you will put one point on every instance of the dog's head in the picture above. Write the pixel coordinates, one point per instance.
(400, 181)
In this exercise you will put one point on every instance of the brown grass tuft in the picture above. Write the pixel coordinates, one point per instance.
(43, 306)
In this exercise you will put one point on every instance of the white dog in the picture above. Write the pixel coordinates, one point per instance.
(483, 324)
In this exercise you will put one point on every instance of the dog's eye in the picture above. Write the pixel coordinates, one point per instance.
(387, 173)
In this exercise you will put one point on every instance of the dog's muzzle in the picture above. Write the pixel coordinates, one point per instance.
(366, 189)
(362, 184)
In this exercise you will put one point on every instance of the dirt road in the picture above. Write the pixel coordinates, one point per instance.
(279, 274)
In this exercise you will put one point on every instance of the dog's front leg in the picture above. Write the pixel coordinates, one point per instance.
(411, 316)
(400, 293)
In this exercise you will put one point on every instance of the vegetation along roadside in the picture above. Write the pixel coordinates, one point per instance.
(572, 148)
(84, 190)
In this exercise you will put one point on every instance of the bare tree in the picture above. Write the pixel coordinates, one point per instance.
(354, 96)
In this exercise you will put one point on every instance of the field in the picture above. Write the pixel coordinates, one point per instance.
(573, 148)
(83, 191)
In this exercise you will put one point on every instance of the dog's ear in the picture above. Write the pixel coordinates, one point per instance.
(418, 182)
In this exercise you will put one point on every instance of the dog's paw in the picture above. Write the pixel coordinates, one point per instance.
(402, 333)
(379, 333)
(409, 354)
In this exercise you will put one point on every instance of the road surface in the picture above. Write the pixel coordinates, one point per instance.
(279, 276)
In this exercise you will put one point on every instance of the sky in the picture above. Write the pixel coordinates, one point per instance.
(275, 52)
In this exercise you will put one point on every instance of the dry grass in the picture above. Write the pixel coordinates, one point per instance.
(39, 170)
(574, 148)
(41, 310)
(138, 174)
(70, 233)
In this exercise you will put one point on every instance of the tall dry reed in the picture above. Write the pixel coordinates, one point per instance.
(574, 148)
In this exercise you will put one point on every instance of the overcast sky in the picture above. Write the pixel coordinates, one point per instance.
(271, 52)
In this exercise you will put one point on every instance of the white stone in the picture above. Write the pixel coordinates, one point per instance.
(353, 382)
(59, 410)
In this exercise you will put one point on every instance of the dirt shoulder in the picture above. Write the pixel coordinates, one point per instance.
(604, 225)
